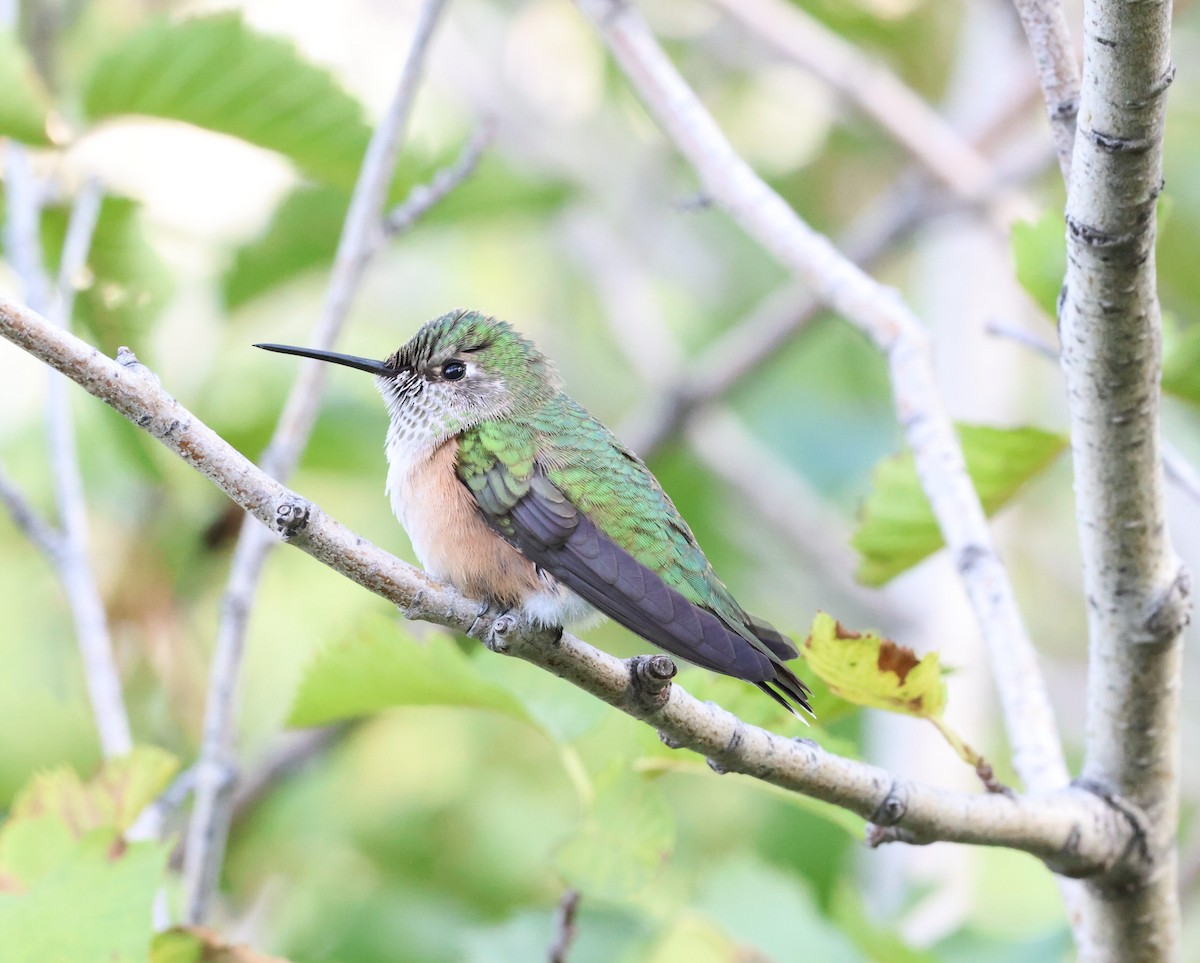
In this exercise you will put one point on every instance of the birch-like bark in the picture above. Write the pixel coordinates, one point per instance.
(1045, 25)
(1075, 831)
(1137, 590)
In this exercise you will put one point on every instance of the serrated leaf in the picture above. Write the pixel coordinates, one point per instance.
(196, 944)
(1040, 250)
(869, 670)
(382, 666)
(112, 798)
(625, 838)
(219, 74)
(25, 104)
(896, 527)
(1181, 366)
(93, 904)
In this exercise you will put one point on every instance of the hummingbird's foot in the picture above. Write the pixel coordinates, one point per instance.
(651, 676)
(493, 625)
(497, 639)
(291, 517)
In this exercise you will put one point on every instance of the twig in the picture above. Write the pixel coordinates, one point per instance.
(1074, 830)
(1137, 589)
(360, 238)
(1045, 25)
(906, 117)
(23, 242)
(786, 312)
(294, 751)
(44, 536)
(423, 197)
(564, 926)
(1175, 463)
(882, 316)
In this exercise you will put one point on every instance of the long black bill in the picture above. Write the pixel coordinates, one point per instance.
(349, 360)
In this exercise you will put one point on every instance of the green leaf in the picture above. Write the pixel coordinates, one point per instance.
(1040, 249)
(303, 233)
(897, 529)
(1181, 366)
(25, 103)
(127, 283)
(383, 666)
(93, 904)
(301, 236)
(624, 840)
(217, 73)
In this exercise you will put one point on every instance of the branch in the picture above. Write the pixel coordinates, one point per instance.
(44, 536)
(1175, 464)
(361, 237)
(786, 312)
(1137, 589)
(422, 198)
(1045, 25)
(1074, 831)
(564, 926)
(24, 246)
(905, 116)
(879, 313)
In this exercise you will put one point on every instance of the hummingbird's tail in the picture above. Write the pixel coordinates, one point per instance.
(786, 685)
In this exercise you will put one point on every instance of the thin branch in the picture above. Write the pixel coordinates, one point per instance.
(1073, 830)
(44, 536)
(294, 751)
(1137, 589)
(904, 115)
(786, 312)
(879, 313)
(401, 218)
(23, 243)
(564, 926)
(1045, 25)
(360, 239)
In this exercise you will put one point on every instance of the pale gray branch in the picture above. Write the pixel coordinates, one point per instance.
(23, 243)
(360, 239)
(1073, 830)
(906, 117)
(44, 536)
(1045, 25)
(881, 314)
(423, 197)
(1137, 590)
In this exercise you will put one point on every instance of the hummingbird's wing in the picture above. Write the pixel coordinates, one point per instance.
(534, 515)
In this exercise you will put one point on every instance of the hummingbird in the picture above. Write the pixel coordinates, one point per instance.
(519, 497)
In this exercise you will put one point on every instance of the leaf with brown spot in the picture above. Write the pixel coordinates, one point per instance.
(869, 670)
(198, 944)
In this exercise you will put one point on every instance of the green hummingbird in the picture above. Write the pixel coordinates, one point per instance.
(519, 497)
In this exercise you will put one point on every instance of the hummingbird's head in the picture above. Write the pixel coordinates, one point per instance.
(457, 370)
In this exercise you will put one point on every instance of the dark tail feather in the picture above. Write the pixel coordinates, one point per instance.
(780, 645)
(788, 690)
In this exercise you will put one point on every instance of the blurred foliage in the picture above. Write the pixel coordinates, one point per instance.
(446, 821)
(62, 857)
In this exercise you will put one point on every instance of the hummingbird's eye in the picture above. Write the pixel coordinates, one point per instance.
(453, 370)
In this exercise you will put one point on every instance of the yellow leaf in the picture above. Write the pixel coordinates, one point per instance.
(112, 798)
(869, 670)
